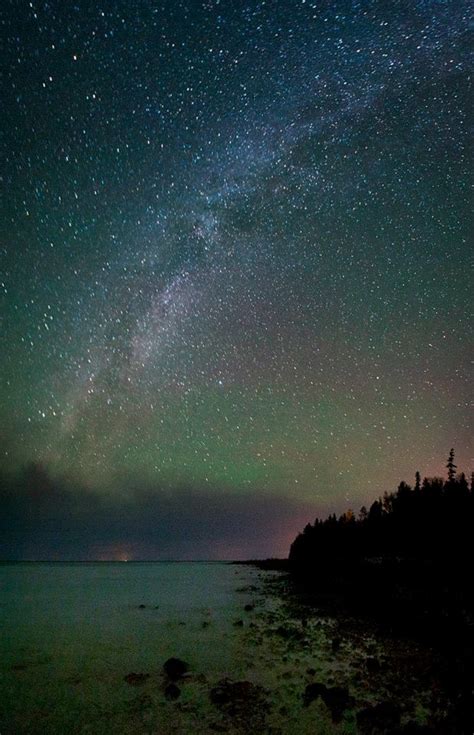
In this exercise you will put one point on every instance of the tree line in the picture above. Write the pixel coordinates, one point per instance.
(433, 519)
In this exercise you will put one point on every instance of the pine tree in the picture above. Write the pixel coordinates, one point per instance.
(363, 514)
(451, 467)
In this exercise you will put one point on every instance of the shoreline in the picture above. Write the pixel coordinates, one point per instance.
(297, 664)
(383, 598)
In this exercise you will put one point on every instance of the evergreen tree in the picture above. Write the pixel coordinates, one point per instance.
(451, 467)
(363, 513)
(417, 481)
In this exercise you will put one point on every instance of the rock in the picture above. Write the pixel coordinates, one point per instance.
(136, 680)
(378, 719)
(221, 694)
(289, 633)
(249, 608)
(232, 692)
(312, 692)
(175, 668)
(172, 692)
(336, 699)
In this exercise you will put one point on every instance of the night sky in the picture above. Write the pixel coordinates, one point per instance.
(234, 258)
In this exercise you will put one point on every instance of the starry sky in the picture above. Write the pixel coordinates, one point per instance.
(234, 251)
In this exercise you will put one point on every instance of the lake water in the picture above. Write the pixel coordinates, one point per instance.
(71, 632)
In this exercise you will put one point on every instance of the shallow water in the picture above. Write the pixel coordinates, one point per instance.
(71, 632)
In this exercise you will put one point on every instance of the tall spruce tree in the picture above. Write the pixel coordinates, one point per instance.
(451, 467)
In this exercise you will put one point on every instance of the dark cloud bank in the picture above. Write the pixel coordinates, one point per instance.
(43, 518)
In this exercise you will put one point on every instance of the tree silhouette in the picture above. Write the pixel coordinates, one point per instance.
(433, 520)
(407, 563)
(417, 481)
(451, 467)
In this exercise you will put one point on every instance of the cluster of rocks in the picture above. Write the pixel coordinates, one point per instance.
(243, 706)
(245, 703)
(242, 702)
(174, 670)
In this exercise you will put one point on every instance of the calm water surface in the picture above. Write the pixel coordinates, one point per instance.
(71, 632)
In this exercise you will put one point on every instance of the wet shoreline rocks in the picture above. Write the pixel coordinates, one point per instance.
(243, 702)
(302, 670)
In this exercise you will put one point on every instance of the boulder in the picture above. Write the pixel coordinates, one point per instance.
(312, 692)
(289, 633)
(175, 668)
(336, 699)
(172, 692)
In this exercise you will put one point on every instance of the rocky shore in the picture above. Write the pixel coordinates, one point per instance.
(294, 664)
(307, 671)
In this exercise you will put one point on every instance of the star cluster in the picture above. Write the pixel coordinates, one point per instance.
(234, 242)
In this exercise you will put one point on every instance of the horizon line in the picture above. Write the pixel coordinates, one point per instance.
(137, 561)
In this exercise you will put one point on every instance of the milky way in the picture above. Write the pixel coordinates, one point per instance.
(234, 247)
